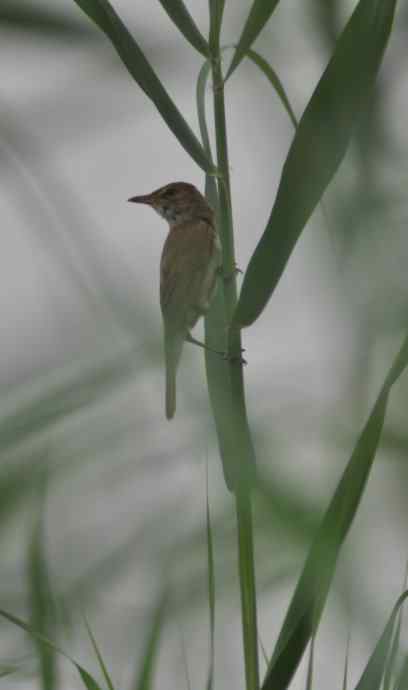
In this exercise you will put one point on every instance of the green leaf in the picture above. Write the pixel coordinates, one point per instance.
(42, 605)
(259, 15)
(101, 662)
(56, 396)
(143, 679)
(392, 657)
(303, 615)
(274, 80)
(87, 679)
(103, 14)
(179, 14)
(318, 148)
(374, 671)
(402, 682)
(211, 590)
(44, 22)
(346, 664)
(310, 665)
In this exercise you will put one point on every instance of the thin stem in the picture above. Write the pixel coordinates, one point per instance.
(248, 589)
(243, 449)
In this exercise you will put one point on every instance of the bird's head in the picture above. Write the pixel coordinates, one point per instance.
(177, 202)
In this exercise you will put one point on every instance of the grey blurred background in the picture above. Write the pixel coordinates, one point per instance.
(81, 356)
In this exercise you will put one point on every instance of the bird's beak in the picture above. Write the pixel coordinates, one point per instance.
(143, 199)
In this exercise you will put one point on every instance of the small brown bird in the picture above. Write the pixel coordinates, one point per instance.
(189, 265)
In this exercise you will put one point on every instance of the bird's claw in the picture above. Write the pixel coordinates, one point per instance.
(235, 359)
(229, 276)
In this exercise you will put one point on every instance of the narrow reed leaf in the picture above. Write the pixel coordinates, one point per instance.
(318, 148)
(310, 665)
(42, 21)
(87, 679)
(181, 17)
(103, 14)
(259, 15)
(55, 397)
(201, 110)
(247, 588)
(346, 663)
(402, 682)
(101, 662)
(211, 589)
(8, 669)
(392, 657)
(41, 600)
(143, 680)
(275, 82)
(374, 671)
(308, 601)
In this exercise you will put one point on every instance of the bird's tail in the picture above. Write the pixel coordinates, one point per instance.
(173, 345)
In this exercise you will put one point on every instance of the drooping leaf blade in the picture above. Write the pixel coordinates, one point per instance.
(103, 14)
(310, 595)
(318, 148)
(259, 15)
(211, 590)
(143, 679)
(373, 673)
(88, 681)
(402, 682)
(394, 649)
(98, 654)
(41, 600)
(275, 82)
(45, 22)
(181, 17)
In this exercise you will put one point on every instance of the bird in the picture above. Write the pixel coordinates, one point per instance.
(190, 263)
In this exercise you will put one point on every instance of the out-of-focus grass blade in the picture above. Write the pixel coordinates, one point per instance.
(402, 682)
(179, 14)
(101, 662)
(42, 605)
(211, 590)
(308, 601)
(143, 680)
(87, 679)
(21, 16)
(8, 669)
(103, 14)
(346, 663)
(318, 148)
(259, 15)
(274, 80)
(310, 665)
(374, 671)
(61, 394)
(392, 657)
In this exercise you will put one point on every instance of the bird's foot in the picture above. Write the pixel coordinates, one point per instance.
(190, 339)
(229, 276)
(236, 358)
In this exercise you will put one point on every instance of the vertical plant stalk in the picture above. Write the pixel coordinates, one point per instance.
(244, 455)
(248, 589)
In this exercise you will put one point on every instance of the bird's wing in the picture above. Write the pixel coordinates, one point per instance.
(187, 254)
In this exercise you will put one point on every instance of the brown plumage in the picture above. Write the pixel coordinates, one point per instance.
(190, 261)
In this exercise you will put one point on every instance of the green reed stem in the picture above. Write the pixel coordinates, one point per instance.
(244, 452)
